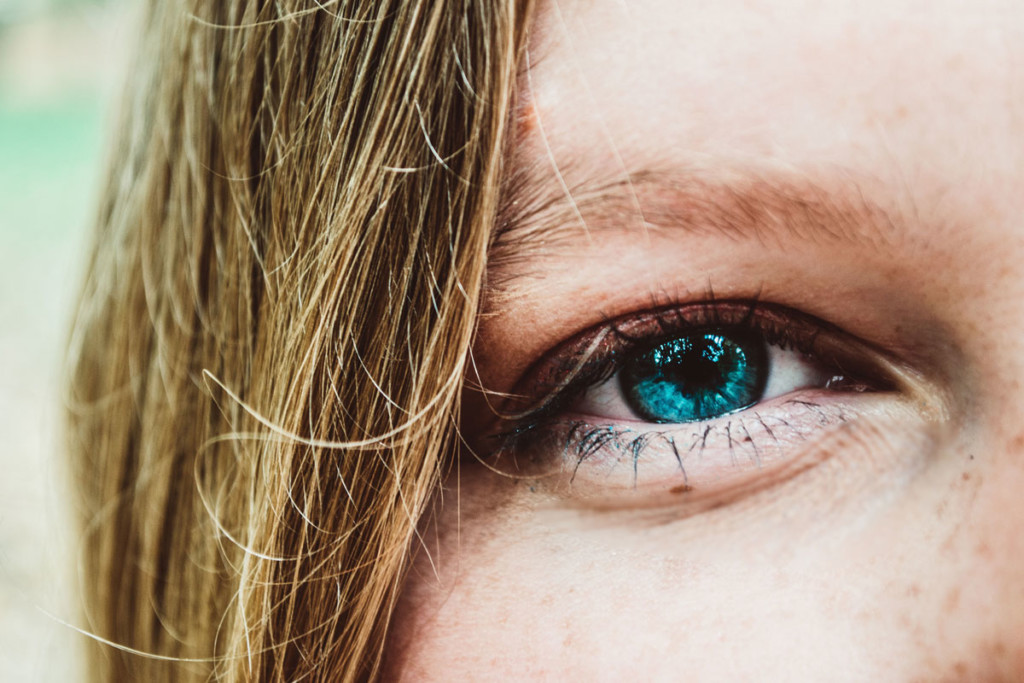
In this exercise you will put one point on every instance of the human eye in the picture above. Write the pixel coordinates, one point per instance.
(690, 398)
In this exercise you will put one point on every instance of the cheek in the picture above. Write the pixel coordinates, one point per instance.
(977, 593)
(482, 598)
(545, 604)
(925, 586)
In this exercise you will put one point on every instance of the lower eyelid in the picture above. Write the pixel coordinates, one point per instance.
(593, 459)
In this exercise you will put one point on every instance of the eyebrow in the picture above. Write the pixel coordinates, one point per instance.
(734, 203)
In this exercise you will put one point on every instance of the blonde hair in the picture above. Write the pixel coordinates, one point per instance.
(268, 355)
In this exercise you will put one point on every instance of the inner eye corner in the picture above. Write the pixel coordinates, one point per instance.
(875, 370)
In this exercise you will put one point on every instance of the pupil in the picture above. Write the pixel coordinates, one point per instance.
(696, 377)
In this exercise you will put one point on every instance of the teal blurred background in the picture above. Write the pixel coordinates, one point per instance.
(61, 66)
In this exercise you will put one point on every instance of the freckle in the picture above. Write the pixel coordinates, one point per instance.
(682, 488)
(960, 668)
(966, 476)
(952, 600)
(1018, 442)
(913, 590)
(983, 550)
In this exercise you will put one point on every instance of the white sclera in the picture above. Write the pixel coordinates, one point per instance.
(788, 371)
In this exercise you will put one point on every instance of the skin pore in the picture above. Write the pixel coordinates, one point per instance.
(851, 169)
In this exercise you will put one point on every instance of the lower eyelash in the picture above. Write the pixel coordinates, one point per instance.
(581, 441)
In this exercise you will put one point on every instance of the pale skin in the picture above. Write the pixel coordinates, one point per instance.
(885, 544)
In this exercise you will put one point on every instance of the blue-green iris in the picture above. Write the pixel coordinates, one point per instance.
(696, 377)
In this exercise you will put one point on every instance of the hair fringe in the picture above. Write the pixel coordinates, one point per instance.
(268, 353)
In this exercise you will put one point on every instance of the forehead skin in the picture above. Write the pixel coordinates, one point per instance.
(904, 91)
(917, 106)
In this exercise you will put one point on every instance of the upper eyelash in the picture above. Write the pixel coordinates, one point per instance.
(578, 364)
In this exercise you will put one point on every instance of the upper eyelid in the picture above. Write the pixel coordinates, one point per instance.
(551, 392)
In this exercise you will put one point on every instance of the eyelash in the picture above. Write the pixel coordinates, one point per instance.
(582, 439)
(594, 356)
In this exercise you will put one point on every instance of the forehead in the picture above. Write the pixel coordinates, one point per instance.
(921, 97)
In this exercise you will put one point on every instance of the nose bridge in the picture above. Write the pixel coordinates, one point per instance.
(963, 260)
(991, 337)
(1004, 384)
(971, 497)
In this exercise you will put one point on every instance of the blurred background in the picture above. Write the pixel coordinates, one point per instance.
(62, 63)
